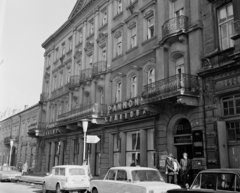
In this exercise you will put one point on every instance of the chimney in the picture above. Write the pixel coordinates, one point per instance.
(25, 107)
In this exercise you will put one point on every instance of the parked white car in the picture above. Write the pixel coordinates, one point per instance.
(131, 180)
(70, 178)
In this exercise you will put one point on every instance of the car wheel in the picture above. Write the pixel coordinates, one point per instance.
(58, 190)
(95, 190)
(44, 190)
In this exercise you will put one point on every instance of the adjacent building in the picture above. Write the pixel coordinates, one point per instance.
(21, 128)
(130, 68)
(220, 74)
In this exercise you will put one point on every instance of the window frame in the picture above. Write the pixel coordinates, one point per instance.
(149, 26)
(233, 99)
(119, 46)
(119, 7)
(118, 91)
(133, 86)
(227, 22)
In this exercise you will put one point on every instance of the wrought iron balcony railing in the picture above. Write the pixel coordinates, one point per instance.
(175, 25)
(59, 91)
(94, 110)
(86, 74)
(237, 27)
(99, 67)
(44, 97)
(180, 84)
(74, 81)
(36, 126)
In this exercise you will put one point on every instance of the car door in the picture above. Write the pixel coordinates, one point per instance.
(121, 181)
(107, 183)
(49, 181)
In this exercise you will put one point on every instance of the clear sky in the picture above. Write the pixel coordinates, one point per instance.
(24, 26)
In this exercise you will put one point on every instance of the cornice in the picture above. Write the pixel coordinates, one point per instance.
(117, 26)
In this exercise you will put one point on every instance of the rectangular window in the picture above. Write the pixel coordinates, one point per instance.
(104, 54)
(56, 54)
(80, 36)
(225, 25)
(233, 129)
(119, 46)
(150, 27)
(104, 18)
(119, 92)
(63, 49)
(69, 75)
(231, 105)
(70, 44)
(119, 6)
(91, 28)
(133, 34)
(133, 87)
(133, 148)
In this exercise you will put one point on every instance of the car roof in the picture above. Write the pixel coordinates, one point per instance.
(220, 170)
(69, 166)
(131, 168)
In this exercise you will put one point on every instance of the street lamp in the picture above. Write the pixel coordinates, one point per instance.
(85, 126)
(11, 144)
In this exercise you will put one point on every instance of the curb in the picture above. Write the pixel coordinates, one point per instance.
(32, 179)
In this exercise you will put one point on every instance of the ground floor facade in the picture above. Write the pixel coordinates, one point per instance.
(136, 134)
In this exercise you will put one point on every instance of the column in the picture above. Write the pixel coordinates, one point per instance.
(109, 37)
(48, 146)
(61, 154)
(123, 149)
(110, 146)
(143, 148)
(71, 151)
(80, 153)
(96, 26)
(93, 158)
(52, 155)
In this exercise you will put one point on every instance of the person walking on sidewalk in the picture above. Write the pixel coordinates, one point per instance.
(25, 168)
(185, 169)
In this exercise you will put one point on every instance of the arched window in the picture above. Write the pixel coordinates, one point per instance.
(59, 109)
(119, 92)
(151, 76)
(133, 83)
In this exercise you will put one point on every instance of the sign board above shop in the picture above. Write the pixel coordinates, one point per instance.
(92, 139)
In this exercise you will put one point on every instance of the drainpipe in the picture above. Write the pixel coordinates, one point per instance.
(205, 125)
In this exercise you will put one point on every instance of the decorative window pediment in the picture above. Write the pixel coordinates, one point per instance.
(148, 14)
(78, 54)
(117, 34)
(89, 47)
(102, 39)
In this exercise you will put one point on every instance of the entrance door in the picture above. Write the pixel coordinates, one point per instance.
(184, 149)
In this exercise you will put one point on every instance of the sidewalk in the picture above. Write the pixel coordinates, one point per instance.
(32, 179)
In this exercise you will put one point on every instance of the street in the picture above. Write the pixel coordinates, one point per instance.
(9, 187)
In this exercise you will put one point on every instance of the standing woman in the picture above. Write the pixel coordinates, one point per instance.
(185, 164)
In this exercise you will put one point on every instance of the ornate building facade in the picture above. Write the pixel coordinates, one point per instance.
(220, 75)
(130, 68)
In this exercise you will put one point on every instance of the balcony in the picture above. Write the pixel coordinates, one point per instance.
(60, 91)
(86, 74)
(7, 139)
(91, 111)
(99, 68)
(174, 26)
(171, 88)
(36, 129)
(44, 97)
(74, 81)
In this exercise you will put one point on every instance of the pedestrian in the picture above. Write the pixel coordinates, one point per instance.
(25, 168)
(170, 168)
(185, 164)
(177, 168)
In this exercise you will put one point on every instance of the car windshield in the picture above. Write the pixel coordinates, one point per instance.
(76, 171)
(7, 168)
(146, 176)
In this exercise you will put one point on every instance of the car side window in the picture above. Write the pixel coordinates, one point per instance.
(226, 182)
(122, 175)
(111, 175)
(237, 184)
(196, 183)
(62, 171)
(53, 171)
(56, 171)
(208, 181)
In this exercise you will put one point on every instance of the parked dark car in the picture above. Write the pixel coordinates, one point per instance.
(214, 180)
